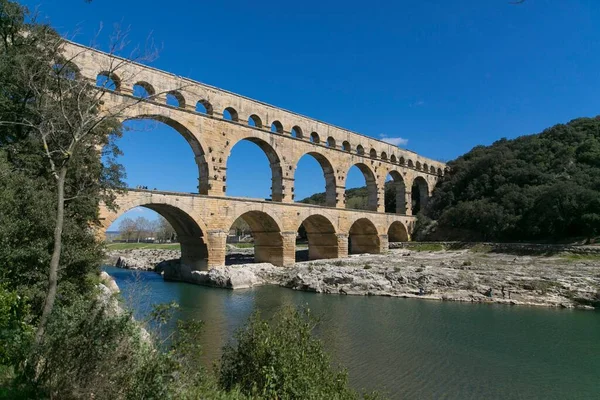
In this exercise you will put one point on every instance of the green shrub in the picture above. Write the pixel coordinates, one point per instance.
(280, 359)
(16, 330)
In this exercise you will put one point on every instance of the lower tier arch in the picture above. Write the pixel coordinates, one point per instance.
(363, 237)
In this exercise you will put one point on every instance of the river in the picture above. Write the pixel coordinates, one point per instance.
(407, 348)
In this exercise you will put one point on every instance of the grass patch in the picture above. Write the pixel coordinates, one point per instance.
(427, 247)
(243, 245)
(130, 246)
(481, 248)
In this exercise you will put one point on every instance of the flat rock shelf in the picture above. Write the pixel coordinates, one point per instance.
(563, 280)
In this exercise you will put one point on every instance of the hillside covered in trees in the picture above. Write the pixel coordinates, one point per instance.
(536, 187)
(356, 198)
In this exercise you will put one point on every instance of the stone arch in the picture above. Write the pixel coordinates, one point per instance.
(68, 70)
(432, 170)
(425, 167)
(360, 150)
(384, 156)
(177, 96)
(410, 164)
(268, 241)
(331, 142)
(328, 173)
(371, 182)
(399, 190)
(363, 237)
(255, 119)
(401, 161)
(233, 114)
(148, 88)
(203, 106)
(373, 153)
(193, 141)
(418, 165)
(393, 159)
(346, 146)
(314, 138)
(108, 80)
(276, 127)
(296, 132)
(190, 231)
(440, 172)
(274, 163)
(322, 237)
(397, 232)
(420, 194)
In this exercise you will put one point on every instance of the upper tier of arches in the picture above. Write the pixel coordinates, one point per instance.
(203, 99)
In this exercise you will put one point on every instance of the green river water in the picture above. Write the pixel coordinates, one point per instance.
(406, 348)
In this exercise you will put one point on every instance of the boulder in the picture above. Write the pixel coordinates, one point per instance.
(109, 283)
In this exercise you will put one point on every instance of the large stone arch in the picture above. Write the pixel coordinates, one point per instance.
(420, 194)
(328, 174)
(363, 237)
(399, 190)
(371, 183)
(277, 189)
(190, 231)
(397, 232)
(141, 112)
(322, 237)
(268, 239)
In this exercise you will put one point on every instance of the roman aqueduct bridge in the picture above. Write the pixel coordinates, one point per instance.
(212, 121)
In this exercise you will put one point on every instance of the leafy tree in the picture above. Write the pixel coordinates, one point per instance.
(127, 228)
(165, 231)
(52, 128)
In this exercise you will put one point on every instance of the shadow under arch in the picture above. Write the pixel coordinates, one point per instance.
(192, 140)
(194, 250)
(328, 173)
(371, 184)
(363, 237)
(398, 190)
(322, 238)
(397, 232)
(419, 194)
(274, 164)
(268, 242)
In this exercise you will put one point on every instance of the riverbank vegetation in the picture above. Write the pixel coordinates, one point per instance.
(61, 334)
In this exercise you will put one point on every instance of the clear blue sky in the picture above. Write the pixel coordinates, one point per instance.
(444, 75)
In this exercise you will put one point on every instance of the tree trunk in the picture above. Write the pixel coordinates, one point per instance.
(55, 261)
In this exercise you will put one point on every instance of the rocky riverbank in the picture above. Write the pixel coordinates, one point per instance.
(559, 281)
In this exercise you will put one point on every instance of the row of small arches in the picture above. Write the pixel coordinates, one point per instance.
(174, 98)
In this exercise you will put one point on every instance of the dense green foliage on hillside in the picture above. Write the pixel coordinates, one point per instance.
(538, 187)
